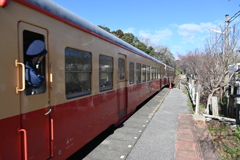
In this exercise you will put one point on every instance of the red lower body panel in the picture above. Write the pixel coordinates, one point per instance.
(78, 122)
(10, 146)
(75, 123)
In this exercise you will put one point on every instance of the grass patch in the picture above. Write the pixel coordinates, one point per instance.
(201, 106)
(237, 132)
(232, 151)
(226, 139)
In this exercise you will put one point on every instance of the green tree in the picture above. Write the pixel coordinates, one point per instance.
(119, 33)
(105, 28)
(128, 37)
(141, 46)
(160, 52)
(150, 50)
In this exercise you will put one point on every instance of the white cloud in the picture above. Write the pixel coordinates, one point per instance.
(193, 32)
(129, 30)
(156, 37)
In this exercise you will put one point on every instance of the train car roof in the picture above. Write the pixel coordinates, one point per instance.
(74, 18)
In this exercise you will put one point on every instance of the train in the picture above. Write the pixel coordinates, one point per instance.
(93, 80)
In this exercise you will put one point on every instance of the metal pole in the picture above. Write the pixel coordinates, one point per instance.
(226, 52)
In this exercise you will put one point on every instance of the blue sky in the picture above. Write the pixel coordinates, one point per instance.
(181, 25)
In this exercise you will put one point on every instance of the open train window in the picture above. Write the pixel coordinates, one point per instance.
(138, 73)
(131, 73)
(33, 68)
(78, 70)
(105, 72)
(144, 73)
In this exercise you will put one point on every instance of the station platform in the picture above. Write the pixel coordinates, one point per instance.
(162, 129)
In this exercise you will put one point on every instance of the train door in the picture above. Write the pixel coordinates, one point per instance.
(122, 88)
(35, 109)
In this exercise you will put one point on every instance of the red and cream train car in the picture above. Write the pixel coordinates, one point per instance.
(93, 81)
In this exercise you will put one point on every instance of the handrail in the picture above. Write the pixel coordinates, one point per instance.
(52, 138)
(23, 76)
(25, 143)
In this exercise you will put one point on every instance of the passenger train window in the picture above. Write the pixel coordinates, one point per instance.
(105, 72)
(152, 73)
(162, 72)
(159, 76)
(138, 73)
(144, 73)
(35, 68)
(148, 73)
(158, 73)
(78, 70)
(121, 68)
(155, 73)
(131, 73)
(154, 70)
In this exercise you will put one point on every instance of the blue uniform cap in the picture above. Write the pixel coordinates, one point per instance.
(36, 47)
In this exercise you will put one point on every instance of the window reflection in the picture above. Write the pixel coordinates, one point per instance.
(138, 73)
(105, 72)
(131, 72)
(121, 68)
(78, 69)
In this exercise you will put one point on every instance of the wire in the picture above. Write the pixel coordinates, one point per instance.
(217, 40)
(234, 16)
(229, 21)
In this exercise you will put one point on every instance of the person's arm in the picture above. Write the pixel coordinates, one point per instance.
(34, 79)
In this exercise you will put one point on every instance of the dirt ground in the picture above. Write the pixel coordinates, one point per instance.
(226, 139)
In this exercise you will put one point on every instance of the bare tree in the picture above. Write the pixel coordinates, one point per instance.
(163, 54)
(210, 66)
(160, 52)
(224, 53)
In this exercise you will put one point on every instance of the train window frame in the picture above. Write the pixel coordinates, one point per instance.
(121, 68)
(155, 73)
(158, 73)
(162, 71)
(148, 73)
(151, 74)
(144, 78)
(74, 71)
(138, 73)
(28, 37)
(108, 72)
(131, 73)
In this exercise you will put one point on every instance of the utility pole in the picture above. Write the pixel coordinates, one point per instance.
(227, 21)
(226, 49)
(226, 53)
(227, 34)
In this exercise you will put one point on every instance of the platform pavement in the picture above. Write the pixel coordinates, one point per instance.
(158, 140)
(157, 131)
